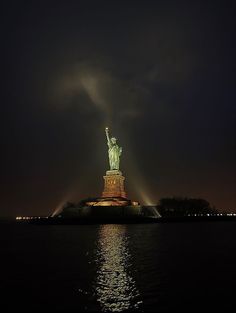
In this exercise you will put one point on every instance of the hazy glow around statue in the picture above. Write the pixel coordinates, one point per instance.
(114, 151)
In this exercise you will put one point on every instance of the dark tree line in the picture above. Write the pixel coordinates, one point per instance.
(178, 206)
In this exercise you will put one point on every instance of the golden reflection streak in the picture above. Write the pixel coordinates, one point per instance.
(114, 287)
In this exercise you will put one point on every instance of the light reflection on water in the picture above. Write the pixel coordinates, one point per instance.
(115, 288)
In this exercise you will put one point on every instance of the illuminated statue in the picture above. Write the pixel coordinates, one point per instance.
(114, 151)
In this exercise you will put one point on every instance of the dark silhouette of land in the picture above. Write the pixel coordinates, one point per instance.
(175, 209)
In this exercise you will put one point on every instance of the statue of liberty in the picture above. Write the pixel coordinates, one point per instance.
(114, 151)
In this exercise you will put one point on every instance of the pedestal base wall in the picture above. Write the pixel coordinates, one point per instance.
(114, 185)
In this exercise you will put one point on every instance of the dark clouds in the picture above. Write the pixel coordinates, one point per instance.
(160, 74)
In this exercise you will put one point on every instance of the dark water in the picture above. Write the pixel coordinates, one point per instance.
(149, 267)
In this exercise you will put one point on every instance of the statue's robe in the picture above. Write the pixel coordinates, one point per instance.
(114, 153)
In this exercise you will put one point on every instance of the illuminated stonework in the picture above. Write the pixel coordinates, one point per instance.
(114, 201)
(114, 185)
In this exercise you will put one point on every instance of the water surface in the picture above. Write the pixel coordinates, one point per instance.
(117, 268)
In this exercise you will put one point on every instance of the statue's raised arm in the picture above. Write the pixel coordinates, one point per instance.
(107, 135)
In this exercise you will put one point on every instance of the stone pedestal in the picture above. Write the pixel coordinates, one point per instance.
(114, 185)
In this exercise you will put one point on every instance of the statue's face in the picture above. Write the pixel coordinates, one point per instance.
(113, 140)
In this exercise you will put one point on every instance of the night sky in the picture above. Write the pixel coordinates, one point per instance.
(160, 74)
